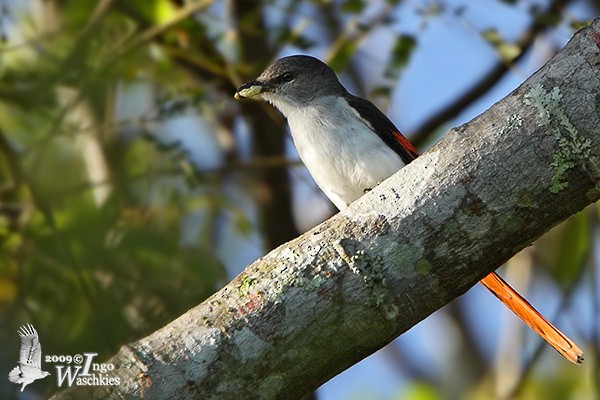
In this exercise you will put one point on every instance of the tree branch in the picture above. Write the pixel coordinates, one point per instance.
(322, 302)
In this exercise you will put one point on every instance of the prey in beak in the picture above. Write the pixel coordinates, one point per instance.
(250, 89)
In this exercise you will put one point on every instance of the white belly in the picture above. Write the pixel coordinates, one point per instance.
(342, 154)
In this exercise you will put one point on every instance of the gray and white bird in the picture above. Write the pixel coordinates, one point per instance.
(347, 144)
(349, 147)
(30, 359)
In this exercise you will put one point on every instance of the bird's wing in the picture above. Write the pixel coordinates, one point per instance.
(31, 350)
(383, 127)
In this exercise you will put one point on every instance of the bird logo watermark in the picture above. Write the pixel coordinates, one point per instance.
(78, 369)
(30, 358)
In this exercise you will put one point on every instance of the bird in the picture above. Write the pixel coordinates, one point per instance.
(30, 358)
(349, 146)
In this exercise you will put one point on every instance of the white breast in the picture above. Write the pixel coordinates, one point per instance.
(344, 156)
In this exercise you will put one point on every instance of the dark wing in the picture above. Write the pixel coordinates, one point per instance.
(383, 127)
(31, 350)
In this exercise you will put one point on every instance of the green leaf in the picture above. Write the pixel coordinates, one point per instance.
(383, 91)
(564, 250)
(341, 56)
(547, 19)
(352, 6)
(401, 52)
(153, 11)
(492, 36)
(580, 24)
(507, 51)
(284, 34)
(421, 391)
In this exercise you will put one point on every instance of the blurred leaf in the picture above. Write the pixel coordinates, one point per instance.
(242, 223)
(566, 383)
(389, 19)
(384, 91)
(352, 6)
(506, 51)
(549, 19)
(153, 11)
(492, 36)
(420, 391)
(545, 18)
(401, 52)
(340, 58)
(431, 9)
(8, 276)
(564, 250)
(577, 25)
(285, 34)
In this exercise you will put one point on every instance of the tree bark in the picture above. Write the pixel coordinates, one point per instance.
(320, 303)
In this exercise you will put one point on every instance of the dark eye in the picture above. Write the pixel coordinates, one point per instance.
(287, 77)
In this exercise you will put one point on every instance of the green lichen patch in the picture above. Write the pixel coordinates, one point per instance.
(294, 272)
(246, 285)
(572, 148)
(513, 123)
(370, 267)
(390, 311)
(593, 194)
(422, 267)
(274, 383)
(526, 199)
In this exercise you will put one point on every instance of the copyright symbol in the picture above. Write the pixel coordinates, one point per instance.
(78, 358)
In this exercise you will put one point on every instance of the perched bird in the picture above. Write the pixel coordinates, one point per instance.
(30, 359)
(349, 147)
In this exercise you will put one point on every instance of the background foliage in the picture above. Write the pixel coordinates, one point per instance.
(132, 186)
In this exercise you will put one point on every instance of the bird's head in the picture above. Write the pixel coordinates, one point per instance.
(293, 82)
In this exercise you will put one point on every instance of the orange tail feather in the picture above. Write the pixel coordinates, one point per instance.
(517, 304)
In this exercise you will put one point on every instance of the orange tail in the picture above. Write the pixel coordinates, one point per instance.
(517, 304)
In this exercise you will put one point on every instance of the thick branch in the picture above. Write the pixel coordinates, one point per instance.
(320, 303)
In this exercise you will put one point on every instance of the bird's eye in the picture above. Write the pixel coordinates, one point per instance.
(287, 77)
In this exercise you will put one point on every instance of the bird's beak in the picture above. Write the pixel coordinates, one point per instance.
(251, 89)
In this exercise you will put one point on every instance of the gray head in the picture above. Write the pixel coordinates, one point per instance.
(293, 81)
